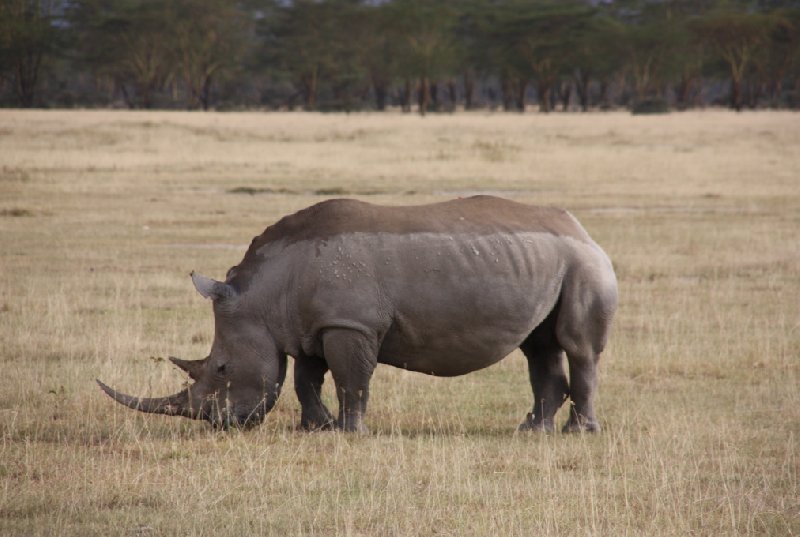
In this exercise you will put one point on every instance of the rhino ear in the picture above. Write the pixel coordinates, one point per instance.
(212, 289)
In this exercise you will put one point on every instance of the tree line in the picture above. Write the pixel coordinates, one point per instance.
(417, 55)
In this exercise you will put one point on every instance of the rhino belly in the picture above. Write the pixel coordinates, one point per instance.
(462, 303)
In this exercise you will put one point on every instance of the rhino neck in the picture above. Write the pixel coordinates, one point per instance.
(268, 298)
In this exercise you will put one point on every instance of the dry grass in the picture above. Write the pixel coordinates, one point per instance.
(103, 215)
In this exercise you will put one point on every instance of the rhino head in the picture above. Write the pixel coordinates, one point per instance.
(238, 382)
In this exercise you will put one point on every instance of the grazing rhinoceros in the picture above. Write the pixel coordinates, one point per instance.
(443, 289)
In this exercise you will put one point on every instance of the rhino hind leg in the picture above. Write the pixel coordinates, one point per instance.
(309, 375)
(547, 376)
(352, 358)
(588, 305)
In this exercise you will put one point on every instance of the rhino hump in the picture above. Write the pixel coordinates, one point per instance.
(474, 216)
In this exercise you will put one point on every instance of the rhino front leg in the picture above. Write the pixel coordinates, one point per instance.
(352, 358)
(548, 379)
(309, 375)
(549, 383)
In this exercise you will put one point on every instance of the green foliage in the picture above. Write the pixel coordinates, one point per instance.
(542, 36)
(28, 34)
(348, 54)
(210, 39)
(425, 34)
(130, 42)
(738, 37)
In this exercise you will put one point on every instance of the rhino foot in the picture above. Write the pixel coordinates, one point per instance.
(581, 427)
(530, 424)
(352, 427)
(312, 426)
(318, 420)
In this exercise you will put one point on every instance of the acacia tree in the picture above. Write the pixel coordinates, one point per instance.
(27, 35)
(783, 52)
(647, 46)
(479, 53)
(511, 67)
(299, 39)
(689, 57)
(378, 47)
(736, 37)
(210, 39)
(539, 35)
(426, 44)
(129, 41)
(338, 52)
(348, 73)
(594, 54)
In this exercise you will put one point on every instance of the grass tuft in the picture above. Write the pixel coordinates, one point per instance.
(16, 212)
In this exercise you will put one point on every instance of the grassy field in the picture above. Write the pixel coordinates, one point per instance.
(104, 214)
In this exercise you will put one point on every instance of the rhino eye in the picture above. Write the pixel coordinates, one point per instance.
(221, 369)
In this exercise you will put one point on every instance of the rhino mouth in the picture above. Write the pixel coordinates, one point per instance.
(240, 421)
(245, 418)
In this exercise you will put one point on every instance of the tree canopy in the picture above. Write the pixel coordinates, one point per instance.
(419, 55)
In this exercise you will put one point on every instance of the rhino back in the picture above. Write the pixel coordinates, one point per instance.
(477, 214)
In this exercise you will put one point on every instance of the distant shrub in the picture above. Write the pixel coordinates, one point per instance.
(650, 106)
(255, 190)
(332, 191)
(16, 212)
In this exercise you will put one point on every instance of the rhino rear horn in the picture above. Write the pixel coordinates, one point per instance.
(193, 367)
(212, 289)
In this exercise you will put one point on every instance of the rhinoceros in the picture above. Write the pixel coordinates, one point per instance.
(443, 289)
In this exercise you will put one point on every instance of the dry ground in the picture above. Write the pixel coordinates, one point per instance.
(103, 215)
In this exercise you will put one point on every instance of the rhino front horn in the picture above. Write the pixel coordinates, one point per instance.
(174, 405)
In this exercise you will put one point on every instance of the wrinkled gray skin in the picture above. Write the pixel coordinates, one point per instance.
(442, 289)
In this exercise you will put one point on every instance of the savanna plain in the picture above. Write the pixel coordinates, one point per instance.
(103, 214)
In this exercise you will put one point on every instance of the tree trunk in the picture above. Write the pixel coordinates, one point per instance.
(469, 90)
(191, 91)
(145, 96)
(205, 94)
(543, 87)
(506, 89)
(452, 94)
(27, 74)
(129, 100)
(604, 93)
(522, 90)
(406, 101)
(582, 89)
(682, 92)
(424, 95)
(434, 95)
(736, 94)
(775, 90)
(492, 95)
(379, 87)
(565, 93)
(757, 91)
(309, 85)
(795, 101)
